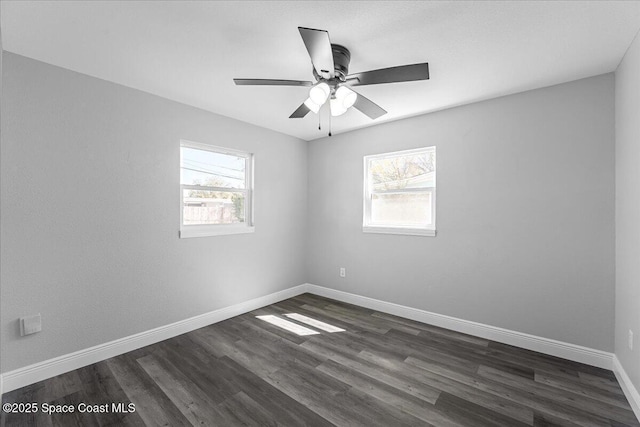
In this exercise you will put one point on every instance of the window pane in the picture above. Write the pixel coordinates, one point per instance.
(402, 209)
(404, 171)
(202, 167)
(212, 207)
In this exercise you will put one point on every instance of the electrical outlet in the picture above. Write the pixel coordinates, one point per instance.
(30, 324)
(343, 272)
(630, 339)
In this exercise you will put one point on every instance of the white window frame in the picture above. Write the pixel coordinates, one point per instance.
(368, 226)
(205, 230)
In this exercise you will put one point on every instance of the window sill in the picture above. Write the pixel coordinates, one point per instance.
(399, 230)
(216, 230)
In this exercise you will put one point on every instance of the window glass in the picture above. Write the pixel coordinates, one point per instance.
(399, 192)
(215, 190)
(211, 169)
(402, 209)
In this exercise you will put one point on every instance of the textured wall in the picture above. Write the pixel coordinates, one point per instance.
(90, 213)
(525, 214)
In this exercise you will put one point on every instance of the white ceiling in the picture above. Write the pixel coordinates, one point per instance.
(191, 51)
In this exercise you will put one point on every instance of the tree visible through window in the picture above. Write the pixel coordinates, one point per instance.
(215, 189)
(400, 192)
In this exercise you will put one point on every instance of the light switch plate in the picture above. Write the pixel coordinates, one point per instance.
(30, 324)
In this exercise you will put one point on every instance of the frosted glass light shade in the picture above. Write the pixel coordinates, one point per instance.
(346, 96)
(312, 105)
(337, 107)
(319, 93)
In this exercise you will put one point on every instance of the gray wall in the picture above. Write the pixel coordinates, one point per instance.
(90, 213)
(628, 211)
(525, 214)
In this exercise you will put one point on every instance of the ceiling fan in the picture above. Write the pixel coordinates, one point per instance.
(333, 81)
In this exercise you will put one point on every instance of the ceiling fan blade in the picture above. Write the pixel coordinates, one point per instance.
(403, 73)
(319, 48)
(368, 107)
(271, 82)
(302, 111)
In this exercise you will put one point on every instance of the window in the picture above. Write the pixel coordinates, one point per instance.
(400, 192)
(215, 191)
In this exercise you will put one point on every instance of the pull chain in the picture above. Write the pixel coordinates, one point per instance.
(329, 120)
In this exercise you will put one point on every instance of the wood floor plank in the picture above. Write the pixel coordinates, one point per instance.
(586, 390)
(440, 382)
(546, 420)
(262, 336)
(434, 344)
(62, 385)
(336, 401)
(216, 342)
(287, 411)
(240, 409)
(608, 384)
(539, 358)
(351, 322)
(101, 388)
(382, 370)
(33, 393)
(191, 400)
(314, 397)
(417, 407)
(287, 307)
(571, 399)
(402, 382)
(518, 394)
(153, 406)
(468, 413)
(199, 366)
(430, 329)
(446, 353)
(75, 418)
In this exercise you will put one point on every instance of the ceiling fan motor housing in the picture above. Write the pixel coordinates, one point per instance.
(341, 59)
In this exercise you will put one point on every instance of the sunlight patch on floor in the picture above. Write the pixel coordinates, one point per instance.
(289, 326)
(313, 322)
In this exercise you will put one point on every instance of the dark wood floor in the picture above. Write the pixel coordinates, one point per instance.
(382, 371)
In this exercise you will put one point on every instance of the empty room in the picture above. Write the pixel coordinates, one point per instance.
(320, 213)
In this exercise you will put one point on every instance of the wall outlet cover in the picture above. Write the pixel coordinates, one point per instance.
(30, 324)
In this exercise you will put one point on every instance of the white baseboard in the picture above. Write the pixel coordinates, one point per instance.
(577, 353)
(50, 368)
(627, 386)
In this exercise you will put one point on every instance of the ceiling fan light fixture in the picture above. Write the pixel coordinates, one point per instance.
(346, 97)
(312, 105)
(337, 107)
(319, 93)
